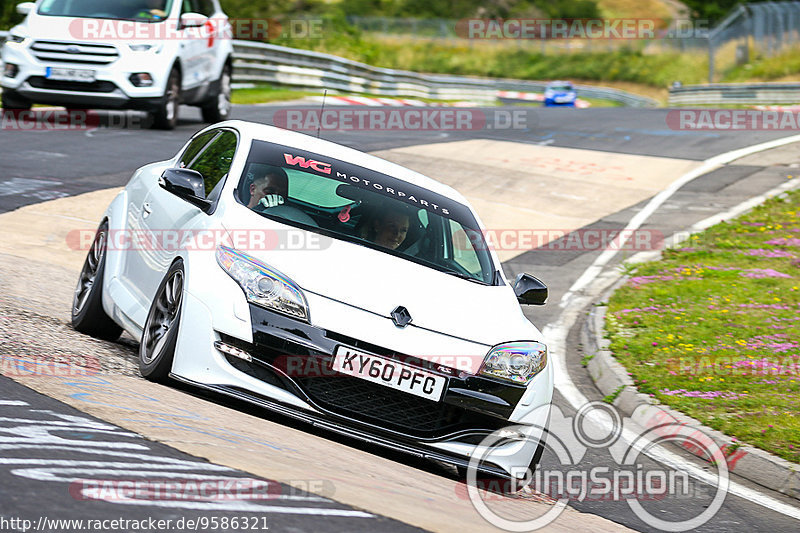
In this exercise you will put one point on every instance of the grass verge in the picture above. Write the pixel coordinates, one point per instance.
(713, 329)
(265, 94)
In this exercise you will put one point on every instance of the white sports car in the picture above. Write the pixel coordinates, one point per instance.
(328, 285)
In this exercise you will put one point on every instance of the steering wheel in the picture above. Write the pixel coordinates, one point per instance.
(290, 213)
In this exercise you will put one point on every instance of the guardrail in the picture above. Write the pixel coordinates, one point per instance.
(280, 65)
(736, 93)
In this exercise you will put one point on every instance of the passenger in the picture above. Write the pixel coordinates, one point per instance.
(270, 189)
(387, 228)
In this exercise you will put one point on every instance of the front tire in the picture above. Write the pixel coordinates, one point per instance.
(160, 334)
(11, 100)
(219, 107)
(88, 315)
(165, 117)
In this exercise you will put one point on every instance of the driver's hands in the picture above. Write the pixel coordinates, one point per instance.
(271, 200)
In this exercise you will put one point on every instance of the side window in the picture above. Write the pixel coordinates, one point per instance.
(189, 6)
(215, 160)
(205, 7)
(194, 148)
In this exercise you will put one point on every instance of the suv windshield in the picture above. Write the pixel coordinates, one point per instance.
(348, 202)
(144, 10)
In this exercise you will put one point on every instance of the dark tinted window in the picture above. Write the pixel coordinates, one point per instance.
(205, 7)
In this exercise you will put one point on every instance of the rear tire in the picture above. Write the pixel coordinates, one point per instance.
(160, 333)
(219, 107)
(88, 315)
(165, 117)
(11, 100)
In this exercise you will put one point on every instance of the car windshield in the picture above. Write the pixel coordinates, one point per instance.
(561, 87)
(351, 203)
(144, 10)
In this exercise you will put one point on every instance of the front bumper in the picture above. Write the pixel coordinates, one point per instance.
(111, 90)
(471, 407)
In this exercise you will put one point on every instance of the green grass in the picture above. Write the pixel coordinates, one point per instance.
(265, 94)
(783, 65)
(695, 328)
(613, 396)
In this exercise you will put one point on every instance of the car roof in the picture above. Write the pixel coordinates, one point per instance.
(559, 82)
(264, 132)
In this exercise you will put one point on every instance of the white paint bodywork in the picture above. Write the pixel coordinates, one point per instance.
(201, 60)
(350, 289)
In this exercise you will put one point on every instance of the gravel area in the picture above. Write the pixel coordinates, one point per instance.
(31, 343)
(35, 331)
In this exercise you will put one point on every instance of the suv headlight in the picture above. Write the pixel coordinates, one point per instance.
(263, 285)
(18, 39)
(517, 362)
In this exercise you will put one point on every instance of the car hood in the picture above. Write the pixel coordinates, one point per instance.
(378, 282)
(58, 28)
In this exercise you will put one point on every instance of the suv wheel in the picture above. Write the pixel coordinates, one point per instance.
(165, 116)
(12, 100)
(218, 108)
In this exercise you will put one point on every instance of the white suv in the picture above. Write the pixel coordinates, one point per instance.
(150, 55)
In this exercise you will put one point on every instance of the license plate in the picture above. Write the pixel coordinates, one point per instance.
(389, 373)
(70, 74)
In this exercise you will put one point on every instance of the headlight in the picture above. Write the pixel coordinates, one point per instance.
(263, 285)
(16, 39)
(517, 362)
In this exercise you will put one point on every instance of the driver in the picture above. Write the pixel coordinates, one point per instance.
(269, 189)
(388, 228)
(154, 8)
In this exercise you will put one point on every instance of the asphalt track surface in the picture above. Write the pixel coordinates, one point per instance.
(40, 166)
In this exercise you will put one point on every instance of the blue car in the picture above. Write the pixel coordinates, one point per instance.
(560, 93)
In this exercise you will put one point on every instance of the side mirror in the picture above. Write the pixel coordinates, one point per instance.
(192, 20)
(187, 184)
(25, 7)
(530, 290)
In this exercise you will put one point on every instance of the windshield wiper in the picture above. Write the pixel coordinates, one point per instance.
(461, 275)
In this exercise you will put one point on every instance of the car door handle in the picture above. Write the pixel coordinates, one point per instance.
(147, 209)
